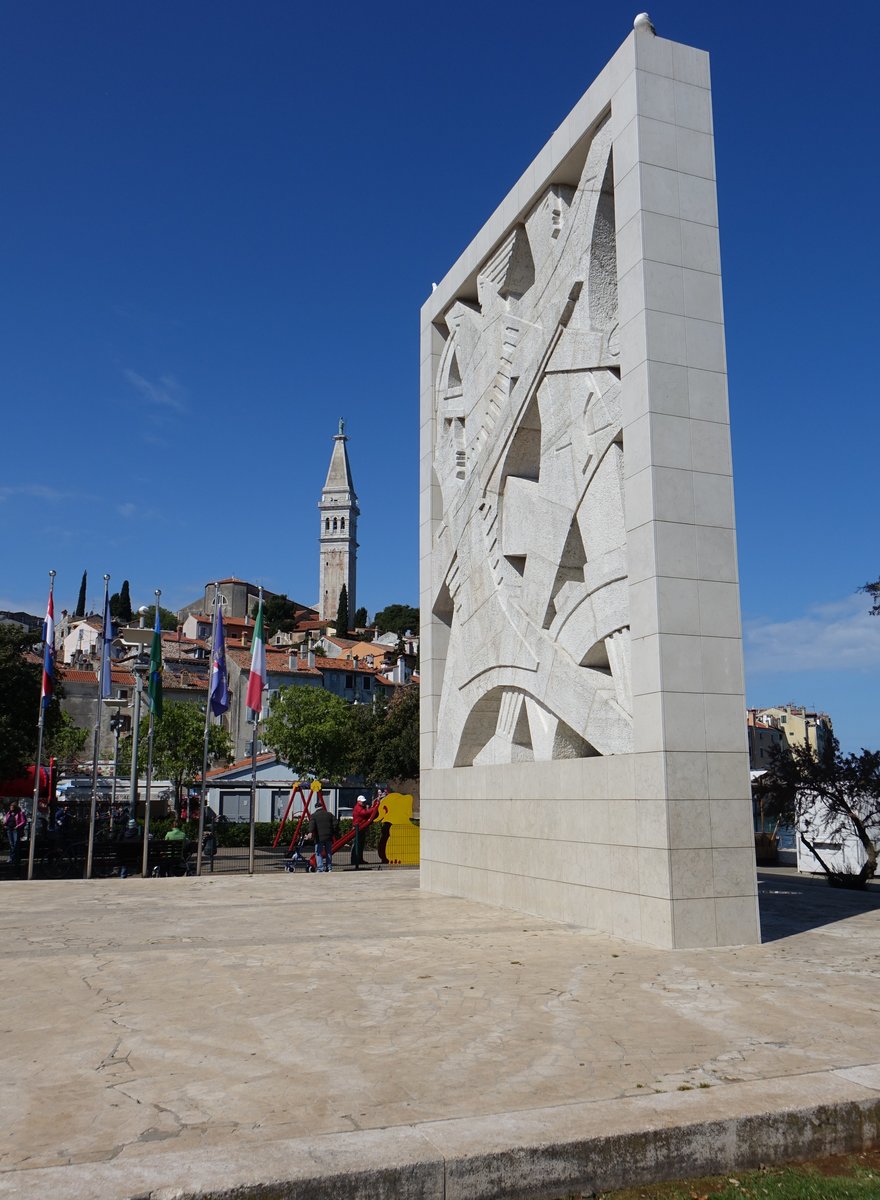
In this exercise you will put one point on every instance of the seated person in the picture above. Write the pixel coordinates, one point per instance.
(175, 833)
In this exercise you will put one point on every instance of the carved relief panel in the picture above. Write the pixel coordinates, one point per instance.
(528, 462)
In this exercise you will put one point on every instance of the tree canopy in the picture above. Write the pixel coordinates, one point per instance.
(320, 734)
(279, 613)
(120, 604)
(360, 618)
(387, 738)
(178, 740)
(20, 684)
(65, 742)
(397, 618)
(168, 619)
(310, 729)
(873, 590)
(827, 796)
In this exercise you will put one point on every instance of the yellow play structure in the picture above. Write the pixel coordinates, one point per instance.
(399, 844)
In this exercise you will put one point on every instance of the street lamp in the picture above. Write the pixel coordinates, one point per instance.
(140, 667)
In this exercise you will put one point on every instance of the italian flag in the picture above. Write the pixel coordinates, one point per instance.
(257, 679)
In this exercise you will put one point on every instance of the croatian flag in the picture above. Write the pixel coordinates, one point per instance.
(257, 678)
(48, 654)
(218, 693)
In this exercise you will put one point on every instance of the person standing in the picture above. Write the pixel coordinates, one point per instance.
(15, 821)
(128, 848)
(321, 829)
(361, 818)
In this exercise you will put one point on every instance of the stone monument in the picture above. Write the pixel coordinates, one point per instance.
(583, 720)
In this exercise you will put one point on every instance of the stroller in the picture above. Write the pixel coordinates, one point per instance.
(299, 857)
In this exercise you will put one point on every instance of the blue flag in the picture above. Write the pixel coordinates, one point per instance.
(106, 679)
(218, 692)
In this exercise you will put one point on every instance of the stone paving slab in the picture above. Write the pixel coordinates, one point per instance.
(265, 1036)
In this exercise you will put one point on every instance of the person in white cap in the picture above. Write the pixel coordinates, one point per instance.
(362, 818)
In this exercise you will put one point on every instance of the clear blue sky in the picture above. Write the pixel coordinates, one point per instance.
(220, 222)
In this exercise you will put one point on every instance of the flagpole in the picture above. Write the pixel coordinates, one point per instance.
(252, 841)
(93, 809)
(44, 700)
(257, 714)
(207, 730)
(145, 861)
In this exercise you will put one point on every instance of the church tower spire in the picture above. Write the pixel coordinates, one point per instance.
(338, 542)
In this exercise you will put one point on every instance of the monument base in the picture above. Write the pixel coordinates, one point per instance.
(568, 840)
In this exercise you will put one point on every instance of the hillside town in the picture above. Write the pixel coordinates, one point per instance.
(100, 662)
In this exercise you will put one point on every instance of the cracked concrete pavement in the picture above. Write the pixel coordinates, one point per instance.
(182, 1036)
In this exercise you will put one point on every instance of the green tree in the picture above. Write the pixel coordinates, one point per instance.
(80, 610)
(826, 796)
(178, 740)
(20, 683)
(397, 618)
(360, 618)
(873, 590)
(168, 619)
(387, 738)
(125, 613)
(66, 742)
(311, 730)
(278, 613)
(342, 613)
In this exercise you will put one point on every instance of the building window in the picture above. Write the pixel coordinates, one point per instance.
(349, 683)
(366, 689)
(342, 523)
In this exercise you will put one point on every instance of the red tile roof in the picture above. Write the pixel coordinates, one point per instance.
(277, 660)
(71, 675)
(266, 756)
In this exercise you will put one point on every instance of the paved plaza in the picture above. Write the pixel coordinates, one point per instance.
(351, 1035)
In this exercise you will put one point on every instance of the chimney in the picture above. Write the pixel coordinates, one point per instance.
(400, 670)
(293, 660)
(310, 657)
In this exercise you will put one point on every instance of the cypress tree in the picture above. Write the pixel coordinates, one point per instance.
(80, 610)
(342, 613)
(125, 613)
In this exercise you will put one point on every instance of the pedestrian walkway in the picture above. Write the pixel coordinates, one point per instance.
(187, 1036)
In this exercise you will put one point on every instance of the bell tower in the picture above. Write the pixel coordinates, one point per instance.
(338, 541)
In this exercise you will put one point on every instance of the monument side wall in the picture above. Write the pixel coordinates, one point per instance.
(583, 735)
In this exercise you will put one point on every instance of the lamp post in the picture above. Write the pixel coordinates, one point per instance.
(140, 668)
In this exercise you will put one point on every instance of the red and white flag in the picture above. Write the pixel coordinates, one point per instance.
(257, 678)
(48, 654)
